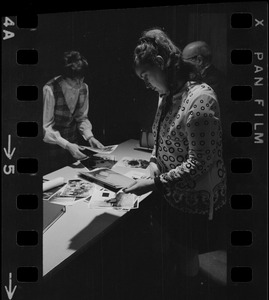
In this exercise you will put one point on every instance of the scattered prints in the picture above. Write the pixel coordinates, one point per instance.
(75, 190)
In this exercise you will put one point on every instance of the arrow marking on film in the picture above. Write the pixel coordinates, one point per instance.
(9, 291)
(7, 151)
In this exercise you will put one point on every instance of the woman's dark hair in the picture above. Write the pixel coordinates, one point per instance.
(156, 42)
(74, 65)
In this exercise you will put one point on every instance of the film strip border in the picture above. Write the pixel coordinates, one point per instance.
(247, 47)
(22, 139)
(21, 143)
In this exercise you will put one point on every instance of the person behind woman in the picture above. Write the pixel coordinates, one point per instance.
(65, 112)
(199, 55)
(186, 164)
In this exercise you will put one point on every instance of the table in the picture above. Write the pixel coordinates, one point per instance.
(79, 225)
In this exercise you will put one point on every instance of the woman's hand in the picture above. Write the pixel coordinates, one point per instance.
(153, 170)
(74, 150)
(95, 143)
(140, 187)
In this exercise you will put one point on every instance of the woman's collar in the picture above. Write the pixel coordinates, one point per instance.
(180, 92)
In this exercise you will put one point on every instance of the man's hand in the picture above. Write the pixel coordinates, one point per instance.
(153, 170)
(74, 150)
(95, 143)
(140, 187)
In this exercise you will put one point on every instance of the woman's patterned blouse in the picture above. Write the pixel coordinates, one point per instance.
(189, 153)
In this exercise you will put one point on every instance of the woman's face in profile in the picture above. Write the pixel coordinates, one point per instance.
(153, 76)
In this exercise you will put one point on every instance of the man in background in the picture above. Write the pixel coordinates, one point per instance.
(199, 55)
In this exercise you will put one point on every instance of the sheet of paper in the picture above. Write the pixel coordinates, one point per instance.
(134, 174)
(47, 185)
(106, 150)
(132, 163)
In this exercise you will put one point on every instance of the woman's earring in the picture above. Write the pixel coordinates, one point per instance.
(160, 62)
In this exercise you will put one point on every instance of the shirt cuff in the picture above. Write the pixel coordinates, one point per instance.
(89, 138)
(62, 142)
(87, 135)
(153, 159)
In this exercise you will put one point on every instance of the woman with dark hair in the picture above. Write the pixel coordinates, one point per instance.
(65, 111)
(186, 165)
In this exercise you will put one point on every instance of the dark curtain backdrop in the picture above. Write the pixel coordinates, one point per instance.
(120, 105)
(211, 28)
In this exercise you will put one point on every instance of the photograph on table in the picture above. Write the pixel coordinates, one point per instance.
(49, 193)
(132, 163)
(108, 178)
(104, 198)
(99, 161)
(72, 192)
(77, 188)
(136, 174)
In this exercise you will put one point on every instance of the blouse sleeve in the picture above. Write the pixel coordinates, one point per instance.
(203, 132)
(51, 136)
(153, 155)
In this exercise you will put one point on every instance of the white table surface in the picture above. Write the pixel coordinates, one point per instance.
(80, 224)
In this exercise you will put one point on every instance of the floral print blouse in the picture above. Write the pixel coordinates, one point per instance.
(189, 151)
